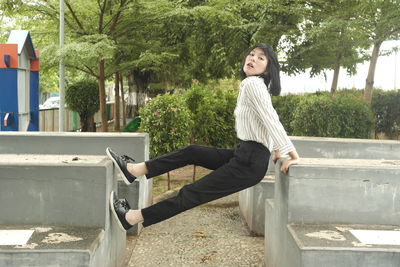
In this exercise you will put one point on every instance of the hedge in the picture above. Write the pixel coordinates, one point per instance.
(386, 106)
(324, 116)
(205, 116)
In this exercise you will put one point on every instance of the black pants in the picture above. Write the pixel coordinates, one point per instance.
(234, 170)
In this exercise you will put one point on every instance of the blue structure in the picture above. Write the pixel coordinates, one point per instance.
(19, 83)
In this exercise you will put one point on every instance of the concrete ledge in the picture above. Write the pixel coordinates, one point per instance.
(59, 246)
(327, 191)
(251, 202)
(135, 145)
(334, 245)
(55, 190)
(315, 147)
(343, 191)
(61, 190)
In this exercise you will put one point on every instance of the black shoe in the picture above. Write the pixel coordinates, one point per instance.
(121, 163)
(119, 208)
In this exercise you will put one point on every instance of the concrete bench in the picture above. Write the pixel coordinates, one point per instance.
(67, 196)
(333, 195)
(252, 200)
(135, 145)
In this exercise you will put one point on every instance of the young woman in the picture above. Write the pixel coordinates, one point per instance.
(257, 126)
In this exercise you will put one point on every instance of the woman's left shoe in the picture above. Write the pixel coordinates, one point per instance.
(121, 163)
(120, 208)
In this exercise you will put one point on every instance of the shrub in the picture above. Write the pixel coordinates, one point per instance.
(386, 106)
(285, 106)
(83, 98)
(212, 113)
(167, 120)
(344, 116)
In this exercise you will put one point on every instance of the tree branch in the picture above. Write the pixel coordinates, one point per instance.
(74, 16)
(87, 70)
(115, 19)
(101, 15)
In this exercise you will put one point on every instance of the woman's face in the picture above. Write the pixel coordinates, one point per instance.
(255, 63)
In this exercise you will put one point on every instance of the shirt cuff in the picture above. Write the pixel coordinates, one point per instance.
(287, 148)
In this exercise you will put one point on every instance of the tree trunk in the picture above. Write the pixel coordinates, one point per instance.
(123, 101)
(336, 74)
(169, 181)
(369, 84)
(131, 106)
(102, 96)
(194, 173)
(117, 121)
(141, 81)
(87, 123)
(137, 82)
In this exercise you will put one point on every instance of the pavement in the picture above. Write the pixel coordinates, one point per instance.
(213, 234)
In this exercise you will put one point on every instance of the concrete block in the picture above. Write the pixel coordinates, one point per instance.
(316, 147)
(251, 202)
(62, 190)
(333, 245)
(343, 191)
(135, 145)
(55, 190)
(327, 191)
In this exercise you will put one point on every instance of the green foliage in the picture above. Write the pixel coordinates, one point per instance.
(386, 107)
(83, 98)
(285, 106)
(212, 111)
(324, 116)
(167, 120)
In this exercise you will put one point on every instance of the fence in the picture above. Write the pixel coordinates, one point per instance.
(49, 119)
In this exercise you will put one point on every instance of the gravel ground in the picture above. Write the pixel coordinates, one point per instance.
(213, 234)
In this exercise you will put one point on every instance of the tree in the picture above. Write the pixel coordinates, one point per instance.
(331, 39)
(381, 20)
(83, 98)
(90, 26)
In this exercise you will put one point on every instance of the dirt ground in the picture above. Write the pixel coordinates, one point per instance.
(178, 178)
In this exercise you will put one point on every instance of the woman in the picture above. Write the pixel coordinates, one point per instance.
(258, 128)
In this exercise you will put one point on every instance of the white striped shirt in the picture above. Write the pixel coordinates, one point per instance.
(256, 118)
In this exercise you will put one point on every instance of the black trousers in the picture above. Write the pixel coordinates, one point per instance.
(234, 170)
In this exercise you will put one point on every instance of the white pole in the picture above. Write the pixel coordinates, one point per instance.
(395, 69)
(61, 70)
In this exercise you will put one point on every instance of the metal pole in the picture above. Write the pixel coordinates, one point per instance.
(395, 69)
(61, 72)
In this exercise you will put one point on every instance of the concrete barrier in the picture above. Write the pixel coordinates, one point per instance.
(252, 200)
(64, 193)
(135, 145)
(320, 200)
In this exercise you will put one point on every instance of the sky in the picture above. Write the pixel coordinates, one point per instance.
(387, 76)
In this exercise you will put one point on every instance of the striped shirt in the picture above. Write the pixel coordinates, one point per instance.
(256, 118)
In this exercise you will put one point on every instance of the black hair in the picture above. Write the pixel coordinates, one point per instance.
(271, 77)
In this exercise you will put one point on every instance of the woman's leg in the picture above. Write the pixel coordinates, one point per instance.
(246, 168)
(207, 157)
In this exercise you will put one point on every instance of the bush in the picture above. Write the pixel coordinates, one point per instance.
(324, 116)
(386, 106)
(83, 98)
(212, 113)
(167, 120)
(285, 106)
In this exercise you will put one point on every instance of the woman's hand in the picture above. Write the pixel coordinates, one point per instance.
(294, 159)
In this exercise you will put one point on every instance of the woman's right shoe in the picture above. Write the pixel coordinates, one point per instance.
(119, 208)
(121, 163)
